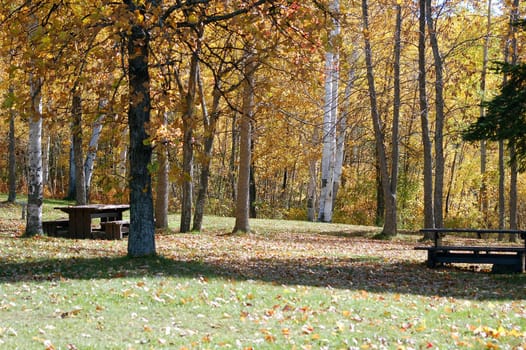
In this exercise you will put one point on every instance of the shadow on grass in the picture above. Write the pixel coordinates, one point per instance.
(360, 273)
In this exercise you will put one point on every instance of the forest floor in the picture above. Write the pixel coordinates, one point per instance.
(287, 285)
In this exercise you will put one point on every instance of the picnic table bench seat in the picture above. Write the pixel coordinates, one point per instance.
(116, 229)
(55, 228)
(503, 258)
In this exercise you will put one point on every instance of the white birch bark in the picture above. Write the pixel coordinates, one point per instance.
(330, 116)
(35, 196)
(91, 154)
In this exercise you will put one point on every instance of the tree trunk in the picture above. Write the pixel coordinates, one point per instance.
(391, 213)
(342, 126)
(91, 155)
(243, 182)
(35, 196)
(141, 240)
(429, 220)
(80, 180)
(72, 188)
(313, 180)
(514, 18)
(389, 228)
(330, 116)
(233, 157)
(188, 145)
(252, 191)
(163, 183)
(439, 120)
(484, 202)
(513, 190)
(11, 197)
(502, 188)
(210, 123)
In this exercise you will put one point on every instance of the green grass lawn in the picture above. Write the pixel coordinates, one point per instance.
(288, 285)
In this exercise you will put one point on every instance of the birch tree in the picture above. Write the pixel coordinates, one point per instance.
(330, 117)
(35, 196)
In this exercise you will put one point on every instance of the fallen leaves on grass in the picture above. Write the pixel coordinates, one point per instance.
(387, 278)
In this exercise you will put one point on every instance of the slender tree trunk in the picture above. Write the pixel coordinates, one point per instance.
(341, 126)
(389, 228)
(243, 182)
(91, 155)
(429, 220)
(163, 183)
(439, 120)
(72, 188)
(252, 191)
(391, 214)
(141, 240)
(313, 180)
(233, 157)
(188, 145)
(513, 191)
(210, 123)
(80, 180)
(46, 141)
(330, 116)
(11, 198)
(484, 205)
(514, 18)
(502, 188)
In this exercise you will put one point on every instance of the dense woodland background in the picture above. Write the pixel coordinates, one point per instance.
(198, 73)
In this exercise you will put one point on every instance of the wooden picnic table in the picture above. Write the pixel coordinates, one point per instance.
(497, 255)
(80, 217)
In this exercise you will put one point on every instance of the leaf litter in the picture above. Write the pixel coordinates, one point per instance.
(298, 290)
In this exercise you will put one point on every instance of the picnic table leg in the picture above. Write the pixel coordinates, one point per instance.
(522, 262)
(431, 259)
(79, 224)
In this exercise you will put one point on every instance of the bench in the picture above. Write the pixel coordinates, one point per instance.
(114, 229)
(55, 228)
(509, 258)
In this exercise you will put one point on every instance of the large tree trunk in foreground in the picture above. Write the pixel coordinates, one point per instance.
(141, 241)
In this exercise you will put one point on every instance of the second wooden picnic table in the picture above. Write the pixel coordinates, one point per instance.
(80, 217)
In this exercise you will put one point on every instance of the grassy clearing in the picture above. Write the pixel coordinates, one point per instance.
(288, 285)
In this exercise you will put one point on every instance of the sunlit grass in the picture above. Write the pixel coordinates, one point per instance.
(289, 285)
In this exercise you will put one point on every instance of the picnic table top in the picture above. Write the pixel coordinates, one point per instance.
(95, 207)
